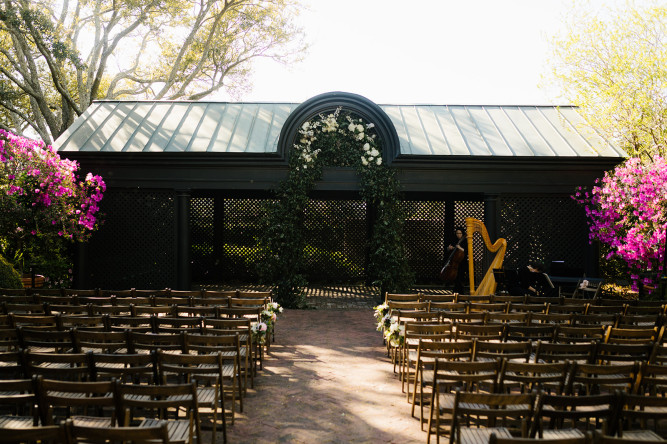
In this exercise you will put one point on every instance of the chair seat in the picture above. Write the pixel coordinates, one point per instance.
(642, 435)
(562, 433)
(470, 435)
(92, 421)
(179, 430)
(16, 422)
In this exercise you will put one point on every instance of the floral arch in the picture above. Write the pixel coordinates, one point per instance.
(324, 132)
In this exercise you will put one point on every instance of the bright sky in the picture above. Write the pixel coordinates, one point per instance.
(422, 51)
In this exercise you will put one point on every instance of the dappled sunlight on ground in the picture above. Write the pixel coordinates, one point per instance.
(327, 379)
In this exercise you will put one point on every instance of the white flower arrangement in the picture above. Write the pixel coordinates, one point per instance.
(384, 323)
(381, 311)
(583, 284)
(370, 155)
(395, 334)
(258, 332)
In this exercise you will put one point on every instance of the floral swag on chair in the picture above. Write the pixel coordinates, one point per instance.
(337, 139)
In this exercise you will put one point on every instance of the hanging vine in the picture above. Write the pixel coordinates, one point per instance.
(337, 139)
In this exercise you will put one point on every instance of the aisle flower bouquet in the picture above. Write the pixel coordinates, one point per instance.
(381, 311)
(395, 334)
(384, 323)
(258, 332)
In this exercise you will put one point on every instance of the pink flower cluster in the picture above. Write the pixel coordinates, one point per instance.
(40, 193)
(627, 210)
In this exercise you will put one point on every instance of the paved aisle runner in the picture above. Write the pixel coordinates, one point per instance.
(328, 380)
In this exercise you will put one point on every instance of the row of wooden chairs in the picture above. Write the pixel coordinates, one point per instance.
(612, 311)
(527, 299)
(45, 402)
(131, 305)
(70, 433)
(132, 292)
(475, 416)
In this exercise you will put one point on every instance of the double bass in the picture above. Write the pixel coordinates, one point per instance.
(451, 268)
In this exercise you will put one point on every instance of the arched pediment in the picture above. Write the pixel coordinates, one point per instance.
(327, 103)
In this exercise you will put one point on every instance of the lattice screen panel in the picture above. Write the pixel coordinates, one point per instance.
(240, 234)
(424, 238)
(542, 229)
(202, 239)
(335, 238)
(136, 245)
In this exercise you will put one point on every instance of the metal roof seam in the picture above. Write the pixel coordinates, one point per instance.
(574, 127)
(407, 132)
(99, 128)
(500, 133)
(214, 136)
(252, 126)
(518, 131)
(178, 127)
(553, 151)
(421, 124)
(479, 131)
(442, 131)
(129, 139)
(461, 133)
(196, 130)
(234, 127)
(541, 111)
(74, 127)
(157, 129)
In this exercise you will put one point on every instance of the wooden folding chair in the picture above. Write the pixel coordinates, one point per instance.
(45, 341)
(450, 375)
(60, 366)
(207, 371)
(137, 368)
(583, 352)
(18, 403)
(86, 403)
(147, 405)
(491, 350)
(101, 341)
(591, 379)
(524, 377)
(634, 414)
(565, 416)
(507, 415)
(146, 434)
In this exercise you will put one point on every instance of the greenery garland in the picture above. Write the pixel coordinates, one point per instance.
(337, 139)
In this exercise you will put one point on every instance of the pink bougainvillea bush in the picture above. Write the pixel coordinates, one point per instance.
(42, 200)
(626, 210)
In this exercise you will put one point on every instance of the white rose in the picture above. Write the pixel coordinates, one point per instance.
(366, 146)
(364, 162)
(305, 166)
(374, 152)
(351, 127)
(360, 136)
(379, 161)
(360, 128)
(370, 159)
(370, 125)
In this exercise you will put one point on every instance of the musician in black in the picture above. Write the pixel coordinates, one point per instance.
(460, 243)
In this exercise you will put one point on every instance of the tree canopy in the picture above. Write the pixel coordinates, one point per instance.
(612, 63)
(57, 56)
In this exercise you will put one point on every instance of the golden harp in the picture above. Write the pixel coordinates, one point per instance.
(488, 284)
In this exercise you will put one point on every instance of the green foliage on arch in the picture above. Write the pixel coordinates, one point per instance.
(337, 139)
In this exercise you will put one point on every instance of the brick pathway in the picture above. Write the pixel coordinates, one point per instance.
(326, 380)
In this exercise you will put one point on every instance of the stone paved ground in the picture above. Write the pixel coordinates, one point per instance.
(327, 379)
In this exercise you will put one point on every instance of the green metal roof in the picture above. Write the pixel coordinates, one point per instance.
(423, 130)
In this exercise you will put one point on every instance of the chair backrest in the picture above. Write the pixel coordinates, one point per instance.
(640, 409)
(652, 379)
(492, 332)
(551, 318)
(137, 398)
(437, 297)
(101, 341)
(515, 318)
(136, 368)
(530, 308)
(449, 307)
(564, 411)
(485, 350)
(467, 375)
(602, 438)
(559, 352)
(408, 305)
(170, 324)
(533, 376)
(591, 379)
(146, 342)
(496, 407)
(59, 366)
(567, 334)
(59, 400)
(46, 341)
(534, 333)
(453, 351)
(95, 323)
(401, 297)
(634, 335)
(18, 395)
(614, 353)
(44, 434)
(146, 434)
